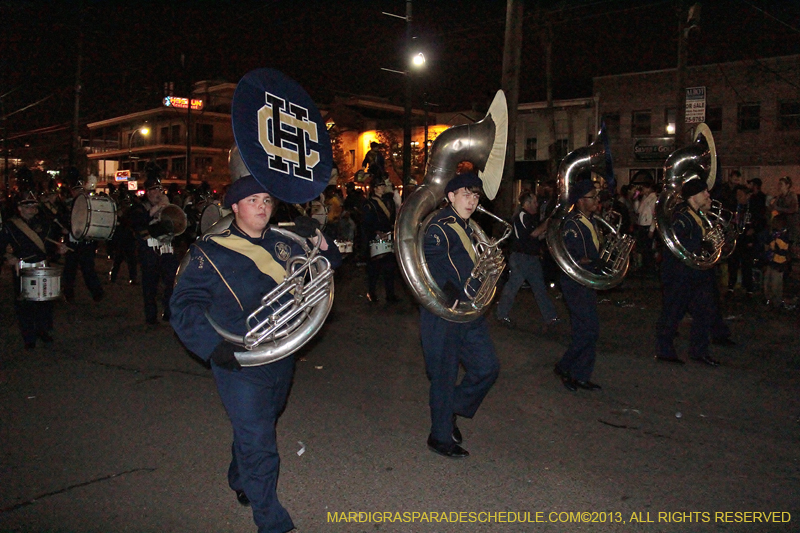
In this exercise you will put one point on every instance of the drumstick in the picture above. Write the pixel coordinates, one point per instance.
(48, 239)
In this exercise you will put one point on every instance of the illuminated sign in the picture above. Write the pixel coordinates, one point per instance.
(182, 103)
(122, 175)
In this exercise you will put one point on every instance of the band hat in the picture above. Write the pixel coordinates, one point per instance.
(151, 183)
(28, 198)
(579, 190)
(241, 189)
(467, 179)
(281, 136)
(692, 186)
(756, 181)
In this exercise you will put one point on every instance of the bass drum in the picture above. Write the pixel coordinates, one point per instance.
(93, 217)
(211, 214)
(40, 284)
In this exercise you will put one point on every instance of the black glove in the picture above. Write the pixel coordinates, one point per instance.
(451, 292)
(306, 226)
(223, 356)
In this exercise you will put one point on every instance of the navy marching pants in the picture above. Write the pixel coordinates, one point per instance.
(254, 398)
(445, 345)
(696, 296)
(578, 360)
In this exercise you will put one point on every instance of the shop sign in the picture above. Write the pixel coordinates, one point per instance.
(122, 175)
(653, 148)
(182, 103)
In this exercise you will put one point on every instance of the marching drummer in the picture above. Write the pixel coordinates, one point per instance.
(156, 255)
(28, 241)
(81, 254)
(377, 225)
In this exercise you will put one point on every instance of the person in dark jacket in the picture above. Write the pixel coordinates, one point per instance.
(225, 278)
(30, 240)
(446, 345)
(581, 239)
(685, 288)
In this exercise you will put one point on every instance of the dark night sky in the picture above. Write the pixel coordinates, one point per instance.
(337, 47)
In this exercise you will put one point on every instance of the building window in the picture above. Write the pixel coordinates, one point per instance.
(789, 115)
(204, 135)
(749, 117)
(640, 123)
(561, 148)
(611, 120)
(164, 137)
(352, 158)
(203, 165)
(531, 149)
(179, 166)
(176, 134)
(714, 118)
(669, 120)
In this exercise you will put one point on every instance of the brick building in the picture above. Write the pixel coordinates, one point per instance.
(752, 108)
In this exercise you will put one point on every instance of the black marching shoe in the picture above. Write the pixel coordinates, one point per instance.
(567, 381)
(457, 437)
(706, 360)
(242, 498)
(587, 385)
(450, 449)
(673, 360)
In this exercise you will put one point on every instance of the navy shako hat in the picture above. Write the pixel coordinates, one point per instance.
(693, 186)
(241, 189)
(28, 198)
(151, 183)
(467, 179)
(579, 190)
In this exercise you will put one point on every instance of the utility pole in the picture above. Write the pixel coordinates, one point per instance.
(680, 80)
(75, 143)
(512, 54)
(407, 112)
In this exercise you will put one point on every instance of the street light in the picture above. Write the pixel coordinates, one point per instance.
(144, 131)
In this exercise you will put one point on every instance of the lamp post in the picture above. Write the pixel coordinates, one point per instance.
(144, 131)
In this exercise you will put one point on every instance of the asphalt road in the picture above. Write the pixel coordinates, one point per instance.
(115, 427)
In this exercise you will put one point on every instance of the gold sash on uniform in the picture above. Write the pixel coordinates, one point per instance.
(261, 257)
(385, 209)
(465, 240)
(699, 222)
(588, 223)
(29, 233)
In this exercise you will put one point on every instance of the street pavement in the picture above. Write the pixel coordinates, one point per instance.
(115, 427)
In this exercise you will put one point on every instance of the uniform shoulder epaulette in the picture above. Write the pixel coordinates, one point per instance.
(208, 236)
(447, 220)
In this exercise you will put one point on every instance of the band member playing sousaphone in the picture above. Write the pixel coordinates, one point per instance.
(242, 263)
(377, 224)
(581, 239)
(156, 254)
(29, 240)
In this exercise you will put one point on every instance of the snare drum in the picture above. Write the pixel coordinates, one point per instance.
(378, 248)
(93, 217)
(211, 215)
(40, 284)
(345, 247)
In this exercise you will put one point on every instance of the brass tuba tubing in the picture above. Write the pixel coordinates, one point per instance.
(699, 156)
(593, 157)
(476, 143)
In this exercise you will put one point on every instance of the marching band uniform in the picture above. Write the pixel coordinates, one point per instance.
(157, 257)
(378, 217)
(226, 276)
(82, 255)
(582, 241)
(124, 240)
(28, 241)
(687, 289)
(445, 344)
